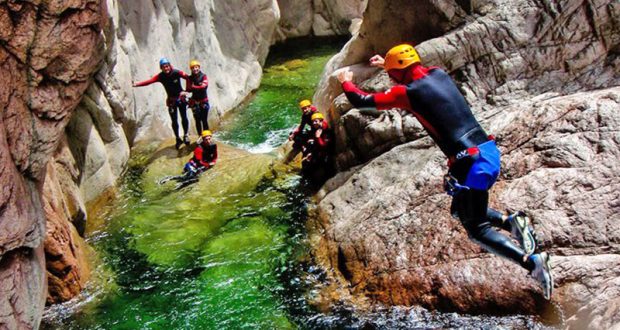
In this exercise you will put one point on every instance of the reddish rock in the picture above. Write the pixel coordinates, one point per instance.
(48, 54)
(67, 267)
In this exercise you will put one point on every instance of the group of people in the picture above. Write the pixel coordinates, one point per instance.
(314, 143)
(205, 153)
(177, 97)
(433, 98)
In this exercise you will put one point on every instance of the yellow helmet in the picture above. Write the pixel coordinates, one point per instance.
(193, 63)
(206, 133)
(305, 103)
(400, 57)
(317, 115)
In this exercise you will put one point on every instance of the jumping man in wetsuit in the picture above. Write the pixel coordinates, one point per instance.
(433, 98)
(205, 155)
(298, 136)
(197, 84)
(171, 79)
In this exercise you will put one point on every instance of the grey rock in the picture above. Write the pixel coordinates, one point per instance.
(541, 78)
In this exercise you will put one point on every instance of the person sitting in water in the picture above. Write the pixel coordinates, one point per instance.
(473, 157)
(316, 150)
(205, 155)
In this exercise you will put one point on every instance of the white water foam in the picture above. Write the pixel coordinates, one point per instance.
(273, 140)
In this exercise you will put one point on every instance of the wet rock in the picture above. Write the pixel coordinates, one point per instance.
(537, 81)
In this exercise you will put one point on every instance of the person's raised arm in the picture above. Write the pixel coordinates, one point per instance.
(357, 97)
(395, 97)
(147, 82)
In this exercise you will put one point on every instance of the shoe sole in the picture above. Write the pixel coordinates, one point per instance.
(528, 243)
(548, 290)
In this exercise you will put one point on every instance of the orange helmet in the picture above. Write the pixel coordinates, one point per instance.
(400, 57)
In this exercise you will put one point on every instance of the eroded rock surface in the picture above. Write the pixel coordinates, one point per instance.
(45, 75)
(319, 17)
(541, 78)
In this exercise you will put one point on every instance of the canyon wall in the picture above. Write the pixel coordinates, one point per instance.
(45, 75)
(319, 17)
(543, 78)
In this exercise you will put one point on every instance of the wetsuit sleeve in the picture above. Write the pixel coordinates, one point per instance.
(198, 156)
(183, 75)
(357, 97)
(395, 97)
(304, 122)
(188, 85)
(297, 130)
(323, 140)
(203, 84)
(147, 82)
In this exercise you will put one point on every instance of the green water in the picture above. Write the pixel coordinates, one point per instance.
(290, 75)
(225, 253)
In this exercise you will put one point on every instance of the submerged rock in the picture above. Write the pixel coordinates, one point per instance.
(173, 224)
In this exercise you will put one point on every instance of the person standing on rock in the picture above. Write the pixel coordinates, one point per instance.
(298, 136)
(473, 157)
(175, 101)
(197, 85)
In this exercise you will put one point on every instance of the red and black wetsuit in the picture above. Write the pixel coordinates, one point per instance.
(434, 99)
(298, 134)
(205, 154)
(197, 84)
(172, 85)
(316, 150)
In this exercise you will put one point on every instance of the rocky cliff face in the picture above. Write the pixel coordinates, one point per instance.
(541, 78)
(319, 17)
(45, 75)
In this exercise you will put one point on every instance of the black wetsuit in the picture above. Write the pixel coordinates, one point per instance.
(433, 98)
(198, 84)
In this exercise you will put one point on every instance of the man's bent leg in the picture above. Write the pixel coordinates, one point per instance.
(471, 207)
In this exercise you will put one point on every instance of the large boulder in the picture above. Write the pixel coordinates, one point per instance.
(536, 76)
